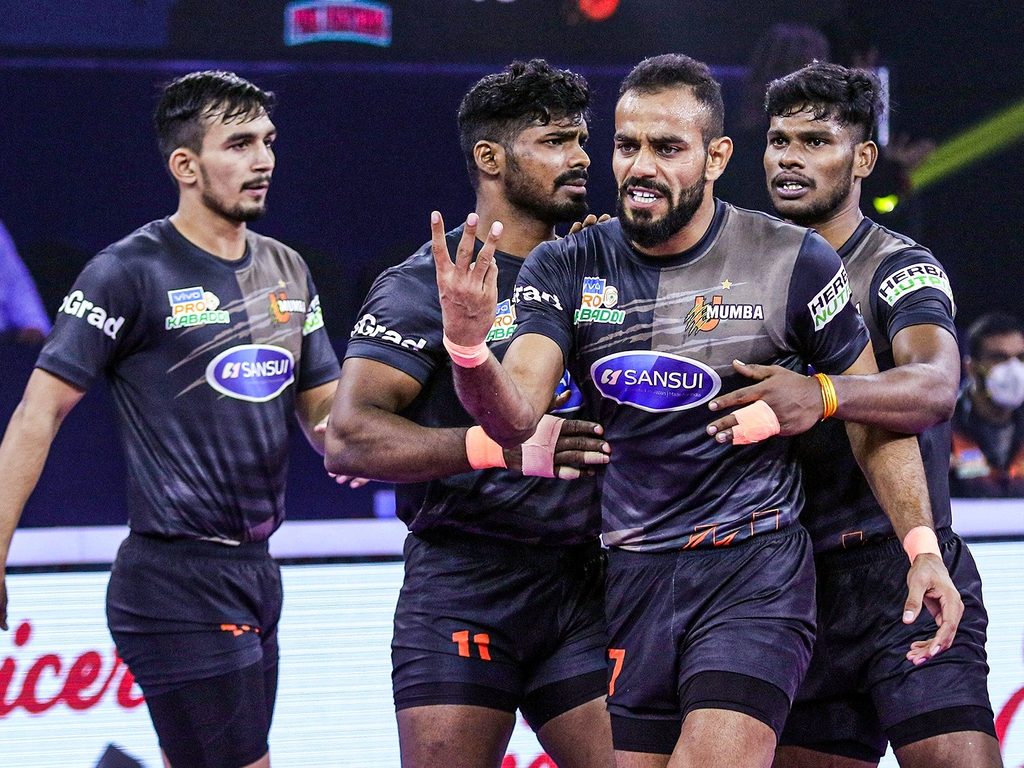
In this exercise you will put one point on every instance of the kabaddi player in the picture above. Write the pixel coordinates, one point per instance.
(863, 689)
(501, 608)
(710, 594)
(212, 339)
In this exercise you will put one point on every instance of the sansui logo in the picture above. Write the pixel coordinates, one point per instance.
(913, 278)
(830, 300)
(369, 327)
(597, 302)
(76, 305)
(655, 381)
(252, 372)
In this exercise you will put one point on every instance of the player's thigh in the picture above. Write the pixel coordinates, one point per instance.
(580, 737)
(750, 743)
(453, 736)
(801, 757)
(961, 749)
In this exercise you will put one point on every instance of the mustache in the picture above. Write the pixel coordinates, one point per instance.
(654, 186)
(254, 183)
(572, 177)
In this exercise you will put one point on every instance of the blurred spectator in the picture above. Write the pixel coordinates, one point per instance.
(988, 426)
(22, 317)
(784, 48)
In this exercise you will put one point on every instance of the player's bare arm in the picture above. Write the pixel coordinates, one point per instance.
(892, 465)
(507, 399)
(368, 438)
(919, 392)
(46, 402)
(312, 407)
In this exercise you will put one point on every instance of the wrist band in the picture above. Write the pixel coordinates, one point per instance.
(920, 540)
(466, 357)
(482, 452)
(829, 401)
(539, 449)
(754, 423)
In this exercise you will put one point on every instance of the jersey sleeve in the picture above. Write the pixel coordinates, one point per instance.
(95, 324)
(825, 327)
(911, 288)
(543, 294)
(319, 364)
(400, 323)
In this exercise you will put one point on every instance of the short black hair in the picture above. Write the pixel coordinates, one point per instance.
(850, 97)
(500, 106)
(189, 100)
(988, 325)
(673, 70)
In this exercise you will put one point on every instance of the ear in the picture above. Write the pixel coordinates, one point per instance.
(865, 155)
(719, 152)
(183, 166)
(489, 157)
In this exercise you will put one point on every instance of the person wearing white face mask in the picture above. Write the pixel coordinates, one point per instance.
(988, 427)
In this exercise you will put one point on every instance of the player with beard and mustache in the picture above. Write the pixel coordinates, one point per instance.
(501, 607)
(863, 688)
(710, 594)
(212, 341)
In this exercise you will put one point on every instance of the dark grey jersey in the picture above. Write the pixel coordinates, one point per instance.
(896, 284)
(204, 358)
(651, 341)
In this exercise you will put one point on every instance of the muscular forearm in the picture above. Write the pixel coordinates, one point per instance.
(906, 399)
(892, 465)
(492, 397)
(23, 453)
(379, 445)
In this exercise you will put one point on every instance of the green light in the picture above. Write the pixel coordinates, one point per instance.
(967, 148)
(886, 204)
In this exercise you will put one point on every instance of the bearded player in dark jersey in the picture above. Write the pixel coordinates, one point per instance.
(710, 595)
(863, 689)
(501, 608)
(211, 339)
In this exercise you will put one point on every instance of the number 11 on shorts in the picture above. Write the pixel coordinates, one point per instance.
(481, 639)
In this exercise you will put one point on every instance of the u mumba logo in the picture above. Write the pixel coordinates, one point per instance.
(655, 381)
(252, 372)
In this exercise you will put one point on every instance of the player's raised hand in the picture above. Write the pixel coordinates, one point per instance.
(468, 288)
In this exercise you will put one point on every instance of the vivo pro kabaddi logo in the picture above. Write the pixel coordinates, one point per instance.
(252, 372)
(655, 381)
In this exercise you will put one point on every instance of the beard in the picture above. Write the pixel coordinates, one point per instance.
(814, 212)
(524, 193)
(646, 231)
(238, 213)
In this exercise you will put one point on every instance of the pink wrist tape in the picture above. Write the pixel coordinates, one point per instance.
(539, 450)
(754, 423)
(919, 541)
(466, 357)
(482, 452)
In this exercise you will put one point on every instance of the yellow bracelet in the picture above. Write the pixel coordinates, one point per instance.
(829, 401)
